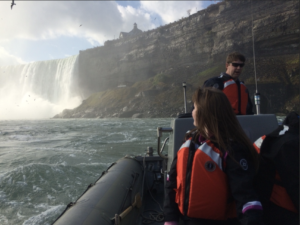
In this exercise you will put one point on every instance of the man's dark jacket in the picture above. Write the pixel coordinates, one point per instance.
(218, 82)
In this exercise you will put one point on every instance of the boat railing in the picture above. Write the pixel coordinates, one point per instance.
(160, 130)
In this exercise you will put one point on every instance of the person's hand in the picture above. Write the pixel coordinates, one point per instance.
(171, 223)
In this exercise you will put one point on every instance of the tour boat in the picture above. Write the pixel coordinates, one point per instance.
(131, 190)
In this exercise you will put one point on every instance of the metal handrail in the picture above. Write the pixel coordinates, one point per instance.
(159, 134)
(163, 146)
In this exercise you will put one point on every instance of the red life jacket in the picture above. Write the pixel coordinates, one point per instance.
(202, 187)
(237, 96)
(279, 194)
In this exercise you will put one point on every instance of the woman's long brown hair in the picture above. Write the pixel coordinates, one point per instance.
(216, 121)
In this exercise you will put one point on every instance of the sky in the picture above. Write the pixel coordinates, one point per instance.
(45, 30)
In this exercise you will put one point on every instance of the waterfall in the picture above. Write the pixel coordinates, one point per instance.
(38, 90)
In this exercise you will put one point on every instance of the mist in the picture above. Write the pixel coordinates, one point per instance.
(38, 90)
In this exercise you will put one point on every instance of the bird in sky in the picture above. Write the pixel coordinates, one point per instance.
(12, 4)
(80, 25)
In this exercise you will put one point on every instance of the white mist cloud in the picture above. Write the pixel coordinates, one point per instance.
(8, 59)
(13, 107)
(37, 90)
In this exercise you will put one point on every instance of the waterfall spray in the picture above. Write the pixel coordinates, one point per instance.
(38, 90)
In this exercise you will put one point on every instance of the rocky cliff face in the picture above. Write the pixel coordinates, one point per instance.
(141, 76)
(193, 42)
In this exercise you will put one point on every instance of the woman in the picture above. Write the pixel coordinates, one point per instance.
(211, 178)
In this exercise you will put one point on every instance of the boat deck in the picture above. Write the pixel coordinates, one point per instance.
(151, 212)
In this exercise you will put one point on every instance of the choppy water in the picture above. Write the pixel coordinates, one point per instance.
(45, 164)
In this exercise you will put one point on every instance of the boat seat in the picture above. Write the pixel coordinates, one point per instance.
(254, 126)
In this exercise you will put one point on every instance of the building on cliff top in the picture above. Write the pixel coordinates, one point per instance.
(134, 32)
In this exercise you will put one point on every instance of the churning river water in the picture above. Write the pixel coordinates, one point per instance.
(45, 164)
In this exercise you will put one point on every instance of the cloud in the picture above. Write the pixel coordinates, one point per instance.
(44, 20)
(131, 15)
(8, 59)
(170, 11)
(100, 20)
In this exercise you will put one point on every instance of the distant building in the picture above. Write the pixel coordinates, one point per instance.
(134, 32)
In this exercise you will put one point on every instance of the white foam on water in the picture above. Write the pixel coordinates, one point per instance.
(12, 203)
(94, 164)
(28, 167)
(20, 137)
(42, 217)
(3, 220)
(2, 197)
(56, 169)
(21, 183)
(36, 188)
(64, 163)
(50, 197)
(123, 141)
(20, 216)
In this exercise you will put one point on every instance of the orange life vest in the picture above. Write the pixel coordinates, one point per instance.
(279, 194)
(237, 98)
(202, 187)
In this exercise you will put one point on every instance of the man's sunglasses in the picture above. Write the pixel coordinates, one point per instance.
(237, 64)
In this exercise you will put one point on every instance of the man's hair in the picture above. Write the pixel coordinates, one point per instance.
(234, 56)
(215, 115)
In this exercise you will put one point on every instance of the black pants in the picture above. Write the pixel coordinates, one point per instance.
(209, 222)
(275, 215)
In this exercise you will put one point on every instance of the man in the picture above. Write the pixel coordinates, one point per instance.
(228, 82)
(277, 180)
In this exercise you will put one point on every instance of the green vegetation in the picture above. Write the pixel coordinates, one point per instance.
(111, 98)
(213, 71)
(160, 78)
(198, 79)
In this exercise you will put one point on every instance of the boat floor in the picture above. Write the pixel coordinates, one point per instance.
(151, 212)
